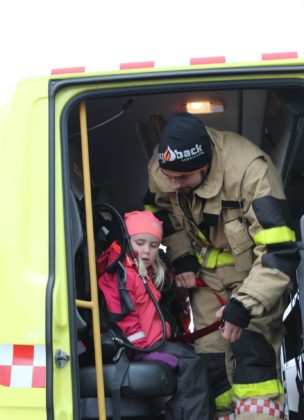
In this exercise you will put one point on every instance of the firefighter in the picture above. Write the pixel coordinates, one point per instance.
(223, 208)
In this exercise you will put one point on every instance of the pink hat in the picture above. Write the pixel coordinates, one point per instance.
(143, 222)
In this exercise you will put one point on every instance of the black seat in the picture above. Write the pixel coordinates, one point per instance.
(144, 390)
(147, 385)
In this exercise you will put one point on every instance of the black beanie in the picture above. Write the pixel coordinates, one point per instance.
(185, 145)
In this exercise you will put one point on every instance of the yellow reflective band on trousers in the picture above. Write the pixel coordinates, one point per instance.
(224, 401)
(275, 235)
(152, 208)
(215, 258)
(260, 389)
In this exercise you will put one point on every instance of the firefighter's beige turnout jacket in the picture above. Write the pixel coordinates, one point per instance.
(239, 176)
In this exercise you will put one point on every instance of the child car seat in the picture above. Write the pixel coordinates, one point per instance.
(144, 387)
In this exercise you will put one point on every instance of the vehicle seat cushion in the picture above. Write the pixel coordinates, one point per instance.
(142, 379)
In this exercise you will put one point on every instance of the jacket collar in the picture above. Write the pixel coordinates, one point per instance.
(210, 190)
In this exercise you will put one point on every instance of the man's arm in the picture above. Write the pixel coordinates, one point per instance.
(275, 250)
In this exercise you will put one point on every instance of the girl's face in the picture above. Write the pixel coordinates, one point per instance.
(146, 246)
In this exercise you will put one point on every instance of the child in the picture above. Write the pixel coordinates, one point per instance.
(143, 326)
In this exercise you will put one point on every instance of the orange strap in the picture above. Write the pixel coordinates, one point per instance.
(201, 283)
(191, 337)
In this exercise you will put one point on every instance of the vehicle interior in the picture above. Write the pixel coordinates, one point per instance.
(123, 128)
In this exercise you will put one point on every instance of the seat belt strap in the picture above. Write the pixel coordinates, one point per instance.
(191, 337)
(125, 300)
(122, 367)
(201, 283)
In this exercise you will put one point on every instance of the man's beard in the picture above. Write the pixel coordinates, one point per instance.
(186, 190)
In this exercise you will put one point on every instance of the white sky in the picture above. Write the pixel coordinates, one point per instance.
(39, 35)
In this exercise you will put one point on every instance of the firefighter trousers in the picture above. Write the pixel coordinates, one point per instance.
(248, 370)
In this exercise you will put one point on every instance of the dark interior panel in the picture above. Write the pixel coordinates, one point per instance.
(121, 145)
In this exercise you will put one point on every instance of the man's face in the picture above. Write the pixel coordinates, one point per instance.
(186, 183)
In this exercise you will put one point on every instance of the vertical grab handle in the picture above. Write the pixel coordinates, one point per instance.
(92, 261)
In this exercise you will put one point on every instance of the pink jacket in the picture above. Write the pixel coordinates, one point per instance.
(142, 326)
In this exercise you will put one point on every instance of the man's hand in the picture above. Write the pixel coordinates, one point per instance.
(186, 280)
(230, 331)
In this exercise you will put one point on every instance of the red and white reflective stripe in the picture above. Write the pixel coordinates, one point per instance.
(207, 60)
(259, 406)
(137, 65)
(22, 366)
(227, 417)
(220, 59)
(280, 55)
(68, 70)
(163, 62)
